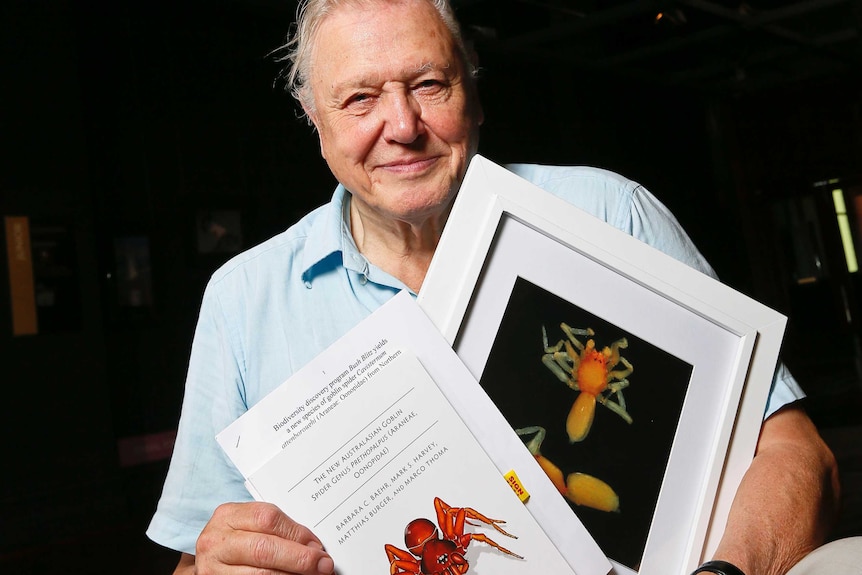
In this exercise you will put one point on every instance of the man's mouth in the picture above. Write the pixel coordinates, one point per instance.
(408, 166)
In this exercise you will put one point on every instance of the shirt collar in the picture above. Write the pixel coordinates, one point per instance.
(329, 242)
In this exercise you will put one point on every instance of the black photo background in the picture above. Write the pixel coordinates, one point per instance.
(631, 458)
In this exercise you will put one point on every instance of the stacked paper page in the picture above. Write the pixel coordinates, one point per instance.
(363, 446)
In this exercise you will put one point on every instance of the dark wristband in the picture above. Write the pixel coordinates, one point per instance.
(720, 567)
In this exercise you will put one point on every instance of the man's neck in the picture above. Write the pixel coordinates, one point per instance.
(402, 249)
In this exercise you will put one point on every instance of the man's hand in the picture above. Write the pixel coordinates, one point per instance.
(255, 538)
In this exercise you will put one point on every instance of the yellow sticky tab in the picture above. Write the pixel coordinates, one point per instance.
(515, 484)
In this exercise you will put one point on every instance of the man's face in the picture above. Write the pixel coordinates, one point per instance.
(397, 117)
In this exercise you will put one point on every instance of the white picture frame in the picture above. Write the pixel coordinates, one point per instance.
(505, 231)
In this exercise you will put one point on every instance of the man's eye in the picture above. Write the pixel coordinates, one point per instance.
(357, 99)
(431, 88)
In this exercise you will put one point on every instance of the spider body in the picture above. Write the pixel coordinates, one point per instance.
(579, 488)
(590, 371)
(441, 552)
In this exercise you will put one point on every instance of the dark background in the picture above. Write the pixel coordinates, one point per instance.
(128, 119)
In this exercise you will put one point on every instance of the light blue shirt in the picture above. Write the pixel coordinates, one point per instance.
(270, 310)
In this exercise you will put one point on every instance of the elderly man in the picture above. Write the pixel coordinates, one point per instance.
(390, 89)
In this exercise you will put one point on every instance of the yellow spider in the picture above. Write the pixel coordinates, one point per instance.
(579, 488)
(592, 373)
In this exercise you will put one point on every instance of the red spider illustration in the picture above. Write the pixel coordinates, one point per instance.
(431, 554)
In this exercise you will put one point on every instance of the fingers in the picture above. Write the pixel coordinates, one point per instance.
(250, 537)
(265, 518)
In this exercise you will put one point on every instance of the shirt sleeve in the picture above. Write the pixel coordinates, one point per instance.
(654, 224)
(200, 476)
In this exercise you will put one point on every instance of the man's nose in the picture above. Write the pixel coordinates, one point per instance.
(402, 118)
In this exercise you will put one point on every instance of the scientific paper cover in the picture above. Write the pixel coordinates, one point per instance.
(363, 447)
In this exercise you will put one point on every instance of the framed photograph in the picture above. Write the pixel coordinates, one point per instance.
(637, 384)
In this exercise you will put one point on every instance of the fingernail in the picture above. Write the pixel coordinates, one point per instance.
(325, 565)
(315, 545)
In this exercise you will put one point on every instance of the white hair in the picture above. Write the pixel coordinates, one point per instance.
(310, 14)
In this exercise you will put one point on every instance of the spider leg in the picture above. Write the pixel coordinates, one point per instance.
(495, 523)
(619, 344)
(563, 366)
(546, 346)
(559, 362)
(552, 349)
(621, 373)
(619, 406)
(571, 370)
(571, 332)
(401, 561)
(484, 539)
(534, 445)
(551, 363)
(618, 390)
(616, 383)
